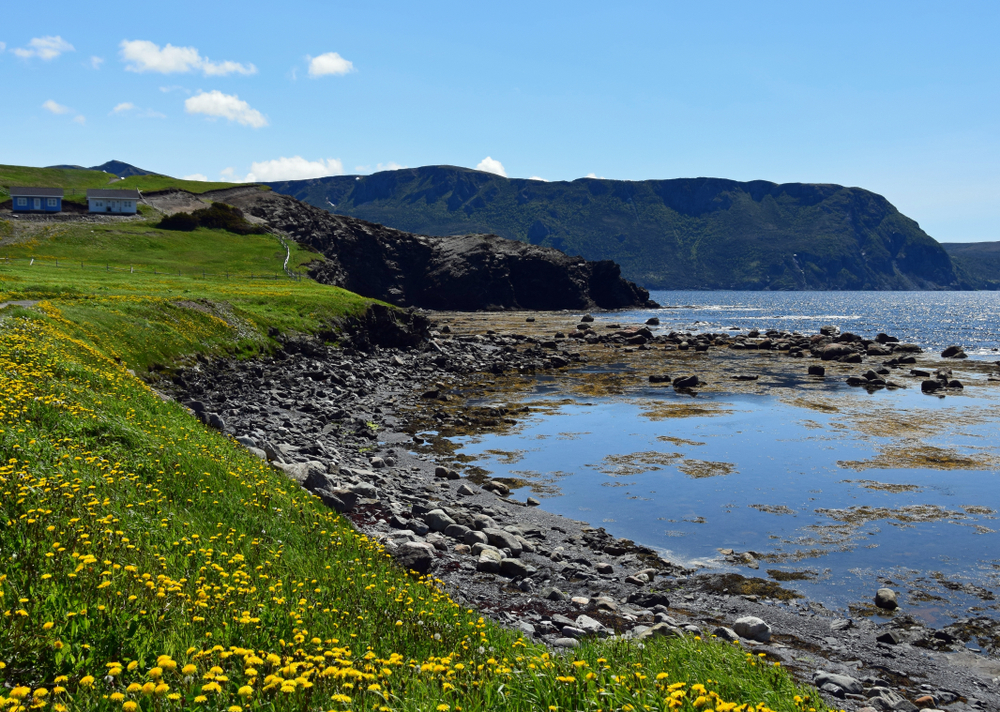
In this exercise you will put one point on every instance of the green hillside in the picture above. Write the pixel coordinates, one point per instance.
(700, 233)
(75, 181)
(977, 262)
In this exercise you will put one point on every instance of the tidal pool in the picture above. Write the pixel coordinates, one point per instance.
(835, 492)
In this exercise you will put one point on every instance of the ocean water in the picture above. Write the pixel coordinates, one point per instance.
(842, 498)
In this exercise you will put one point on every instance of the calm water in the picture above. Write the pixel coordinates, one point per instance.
(808, 490)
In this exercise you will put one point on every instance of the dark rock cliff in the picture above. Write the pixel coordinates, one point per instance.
(689, 233)
(467, 272)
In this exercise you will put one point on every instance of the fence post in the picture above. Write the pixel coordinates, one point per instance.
(32, 262)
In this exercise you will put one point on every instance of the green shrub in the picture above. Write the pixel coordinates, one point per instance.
(184, 222)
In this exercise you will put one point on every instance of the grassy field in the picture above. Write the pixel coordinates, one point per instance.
(76, 182)
(149, 563)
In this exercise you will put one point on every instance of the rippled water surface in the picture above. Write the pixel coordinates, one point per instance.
(844, 490)
(932, 319)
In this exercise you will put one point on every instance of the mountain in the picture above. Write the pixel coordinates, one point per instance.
(976, 262)
(117, 168)
(689, 233)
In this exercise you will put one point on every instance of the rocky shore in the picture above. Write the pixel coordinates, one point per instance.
(346, 422)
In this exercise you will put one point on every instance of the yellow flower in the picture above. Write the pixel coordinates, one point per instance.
(117, 697)
(189, 669)
(47, 625)
(443, 708)
(245, 691)
(87, 681)
(130, 706)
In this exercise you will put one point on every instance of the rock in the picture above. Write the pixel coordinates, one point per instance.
(515, 568)
(886, 598)
(473, 537)
(724, 633)
(653, 321)
(214, 420)
(258, 453)
(487, 565)
(889, 637)
(955, 383)
(884, 338)
(377, 463)
(246, 441)
(364, 489)
(752, 628)
(954, 352)
(829, 330)
(587, 318)
(659, 378)
(835, 351)
(590, 625)
(525, 628)
(415, 556)
(418, 527)
(604, 568)
(686, 382)
(503, 540)
(437, 520)
(637, 579)
(573, 632)
(832, 690)
(857, 381)
(664, 630)
(441, 471)
(532, 502)
(565, 643)
(844, 682)
(925, 702)
(553, 594)
(930, 386)
(463, 549)
(649, 599)
(478, 549)
(745, 377)
(841, 624)
(466, 491)
(458, 531)
(498, 487)
(580, 601)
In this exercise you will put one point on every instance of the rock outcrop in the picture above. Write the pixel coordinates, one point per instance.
(466, 272)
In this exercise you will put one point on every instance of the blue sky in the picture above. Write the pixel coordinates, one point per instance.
(902, 98)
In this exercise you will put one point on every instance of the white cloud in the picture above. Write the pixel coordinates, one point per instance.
(3, 46)
(595, 176)
(127, 107)
(55, 108)
(390, 166)
(80, 119)
(294, 168)
(491, 165)
(96, 62)
(228, 173)
(48, 47)
(196, 176)
(145, 56)
(329, 63)
(537, 178)
(228, 106)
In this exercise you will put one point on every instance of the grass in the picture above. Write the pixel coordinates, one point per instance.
(149, 563)
(76, 182)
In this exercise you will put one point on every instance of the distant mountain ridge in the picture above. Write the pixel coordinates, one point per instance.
(688, 233)
(117, 168)
(977, 263)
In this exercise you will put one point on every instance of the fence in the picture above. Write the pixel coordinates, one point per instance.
(63, 264)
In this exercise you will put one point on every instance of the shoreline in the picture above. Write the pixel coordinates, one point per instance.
(314, 407)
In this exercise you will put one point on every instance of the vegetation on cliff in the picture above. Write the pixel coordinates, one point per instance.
(699, 233)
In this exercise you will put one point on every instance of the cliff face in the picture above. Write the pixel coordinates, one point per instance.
(699, 233)
(977, 263)
(467, 272)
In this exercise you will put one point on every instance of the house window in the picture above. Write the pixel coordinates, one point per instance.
(52, 202)
(22, 201)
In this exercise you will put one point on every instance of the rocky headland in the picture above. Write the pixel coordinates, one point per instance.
(465, 272)
(350, 424)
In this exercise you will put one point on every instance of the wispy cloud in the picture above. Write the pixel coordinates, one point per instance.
(55, 107)
(47, 48)
(127, 107)
(491, 165)
(196, 176)
(175, 87)
(79, 119)
(96, 62)
(3, 46)
(595, 176)
(329, 63)
(145, 56)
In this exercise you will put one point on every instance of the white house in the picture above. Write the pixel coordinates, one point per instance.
(121, 202)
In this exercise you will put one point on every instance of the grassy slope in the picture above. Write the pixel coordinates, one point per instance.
(698, 233)
(76, 182)
(150, 563)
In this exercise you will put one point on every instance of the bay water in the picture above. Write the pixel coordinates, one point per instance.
(833, 495)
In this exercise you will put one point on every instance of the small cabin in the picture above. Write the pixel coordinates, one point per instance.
(116, 202)
(36, 200)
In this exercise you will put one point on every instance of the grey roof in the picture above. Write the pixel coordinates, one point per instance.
(112, 194)
(36, 192)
